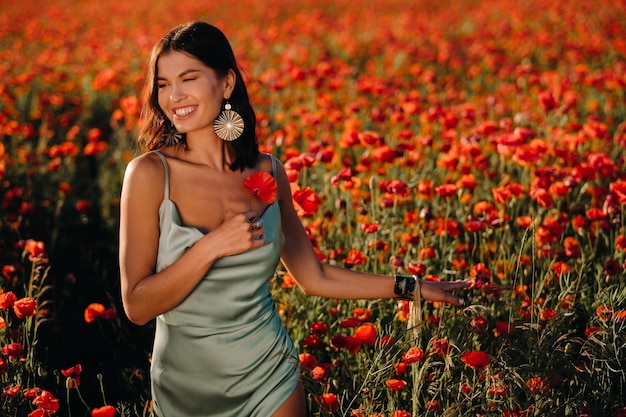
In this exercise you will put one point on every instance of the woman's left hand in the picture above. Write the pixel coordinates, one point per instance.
(441, 291)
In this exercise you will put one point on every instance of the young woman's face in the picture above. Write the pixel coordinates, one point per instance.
(190, 93)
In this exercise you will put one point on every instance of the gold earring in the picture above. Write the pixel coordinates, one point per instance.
(171, 136)
(229, 125)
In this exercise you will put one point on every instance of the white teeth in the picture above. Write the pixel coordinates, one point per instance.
(183, 111)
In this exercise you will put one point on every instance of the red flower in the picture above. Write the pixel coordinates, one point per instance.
(446, 190)
(73, 375)
(35, 249)
(307, 361)
(355, 257)
(319, 328)
(24, 307)
(547, 314)
(440, 347)
(47, 402)
(7, 299)
(313, 341)
(395, 384)
(318, 373)
(433, 405)
(93, 312)
(106, 411)
(542, 197)
(4, 366)
(347, 342)
(476, 359)
(11, 390)
(413, 355)
(329, 401)
(362, 313)
(370, 227)
(400, 368)
(547, 100)
(261, 184)
(350, 322)
(366, 333)
(306, 202)
(13, 350)
(503, 327)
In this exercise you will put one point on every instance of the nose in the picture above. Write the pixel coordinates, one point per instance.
(176, 93)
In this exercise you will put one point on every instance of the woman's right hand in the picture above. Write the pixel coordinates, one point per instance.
(236, 235)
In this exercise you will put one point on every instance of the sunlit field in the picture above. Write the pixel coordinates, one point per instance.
(480, 140)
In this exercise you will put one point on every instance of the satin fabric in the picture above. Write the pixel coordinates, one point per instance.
(223, 352)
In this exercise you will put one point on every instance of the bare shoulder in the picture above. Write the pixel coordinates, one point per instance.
(264, 162)
(146, 167)
(144, 178)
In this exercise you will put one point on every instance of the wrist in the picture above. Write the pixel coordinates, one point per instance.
(405, 287)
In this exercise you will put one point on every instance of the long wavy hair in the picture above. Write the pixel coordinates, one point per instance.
(209, 45)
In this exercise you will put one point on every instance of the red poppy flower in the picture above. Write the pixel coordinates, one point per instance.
(503, 327)
(319, 328)
(440, 347)
(73, 375)
(93, 312)
(318, 373)
(395, 384)
(106, 411)
(476, 359)
(479, 325)
(262, 185)
(7, 299)
(370, 227)
(11, 390)
(13, 350)
(307, 361)
(547, 314)
(542, 197)
(413, 355)
(47, 402)
(433, 405)
(366, 333)
(400, 368)
(362, 313)
(34, 248)
(347, 342)
(306, 201)
(25, 307)
(329, 401)
(313, 341)
(355, 257)
(446, 190)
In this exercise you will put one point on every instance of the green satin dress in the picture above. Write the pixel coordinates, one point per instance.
(223, 352)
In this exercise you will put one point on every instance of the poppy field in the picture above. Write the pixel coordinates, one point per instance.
(481, 140)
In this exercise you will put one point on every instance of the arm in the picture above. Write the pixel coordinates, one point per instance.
(330, 281)
(145, 293)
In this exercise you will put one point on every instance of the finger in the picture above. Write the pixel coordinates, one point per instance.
(462, 284)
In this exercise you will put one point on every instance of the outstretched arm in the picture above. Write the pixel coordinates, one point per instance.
(330, 281)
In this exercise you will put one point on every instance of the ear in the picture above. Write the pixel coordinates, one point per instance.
(229, 83)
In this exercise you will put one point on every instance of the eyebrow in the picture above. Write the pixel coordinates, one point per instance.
(182, 74)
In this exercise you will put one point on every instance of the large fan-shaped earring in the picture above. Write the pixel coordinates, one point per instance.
(229, 124)
(171, 136)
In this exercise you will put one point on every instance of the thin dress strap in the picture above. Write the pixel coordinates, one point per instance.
(166, 193)
(273, 158)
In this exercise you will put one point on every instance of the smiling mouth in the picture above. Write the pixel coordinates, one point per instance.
(184, 111)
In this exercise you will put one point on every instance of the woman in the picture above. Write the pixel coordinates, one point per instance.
(197, 248)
